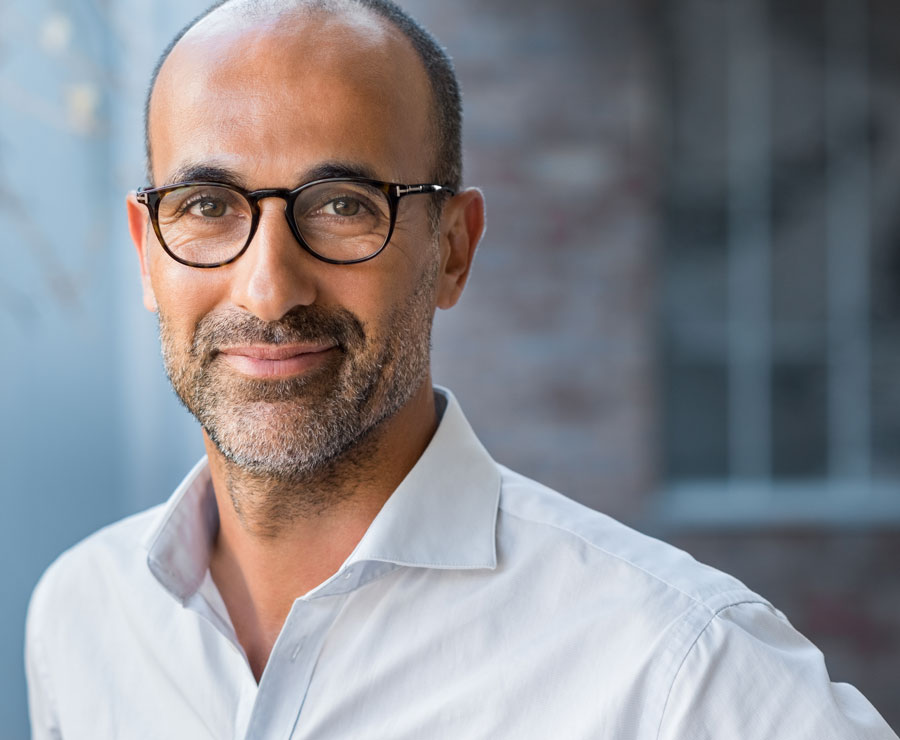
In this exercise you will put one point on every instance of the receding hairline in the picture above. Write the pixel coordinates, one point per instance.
(443, 88)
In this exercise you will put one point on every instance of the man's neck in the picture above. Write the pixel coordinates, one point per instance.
(267, 554)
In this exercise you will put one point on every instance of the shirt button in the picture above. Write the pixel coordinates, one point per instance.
(297, 650)
(348, 574)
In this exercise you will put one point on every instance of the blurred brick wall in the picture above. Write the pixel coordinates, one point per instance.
(553, 348)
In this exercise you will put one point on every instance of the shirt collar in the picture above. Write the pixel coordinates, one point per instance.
(179, 542)
(442, 515)
(444, 512)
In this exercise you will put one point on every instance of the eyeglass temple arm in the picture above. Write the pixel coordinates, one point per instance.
(401, 190)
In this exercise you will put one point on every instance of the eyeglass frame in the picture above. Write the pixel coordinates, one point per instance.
(151, 197)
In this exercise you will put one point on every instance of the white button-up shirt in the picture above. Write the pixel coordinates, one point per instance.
(479, 604)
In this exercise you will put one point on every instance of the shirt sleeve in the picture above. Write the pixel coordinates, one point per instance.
(44, 725)
(751, 675)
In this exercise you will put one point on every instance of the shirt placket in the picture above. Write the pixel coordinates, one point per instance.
(289, 670)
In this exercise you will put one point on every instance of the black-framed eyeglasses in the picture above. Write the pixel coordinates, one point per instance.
(338, 220)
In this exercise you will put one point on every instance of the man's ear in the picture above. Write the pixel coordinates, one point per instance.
(462, 224)
(138, 225)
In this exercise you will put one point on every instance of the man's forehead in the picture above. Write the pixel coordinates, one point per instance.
(260, 47)
(354, 60)
(321, 26)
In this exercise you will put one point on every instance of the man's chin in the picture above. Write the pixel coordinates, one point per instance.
(277, 454)
(276, 418)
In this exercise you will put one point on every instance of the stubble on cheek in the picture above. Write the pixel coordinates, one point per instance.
(298, 428)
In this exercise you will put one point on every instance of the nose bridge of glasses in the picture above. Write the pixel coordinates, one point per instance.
(255, 196)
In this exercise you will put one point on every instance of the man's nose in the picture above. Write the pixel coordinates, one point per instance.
(275, 274)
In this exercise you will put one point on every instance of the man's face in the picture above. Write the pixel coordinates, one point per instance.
(287, 361)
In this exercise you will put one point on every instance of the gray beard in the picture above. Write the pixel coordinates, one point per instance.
(310, 434)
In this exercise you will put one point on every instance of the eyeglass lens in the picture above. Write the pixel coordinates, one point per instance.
(210, 224)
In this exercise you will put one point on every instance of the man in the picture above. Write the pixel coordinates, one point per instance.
(348, 562)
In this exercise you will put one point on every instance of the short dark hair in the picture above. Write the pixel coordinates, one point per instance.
(446, 103)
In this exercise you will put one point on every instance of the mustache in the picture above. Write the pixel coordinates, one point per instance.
(300, 324)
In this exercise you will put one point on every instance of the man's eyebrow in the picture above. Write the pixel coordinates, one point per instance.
(214, 173)
(206, 173)
(338, 169)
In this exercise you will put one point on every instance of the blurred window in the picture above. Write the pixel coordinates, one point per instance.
(781, 275)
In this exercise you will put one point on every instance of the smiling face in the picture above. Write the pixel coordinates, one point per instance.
(288, 361)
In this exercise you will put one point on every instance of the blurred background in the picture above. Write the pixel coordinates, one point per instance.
(685, 312)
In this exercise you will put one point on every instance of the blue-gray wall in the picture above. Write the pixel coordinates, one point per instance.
(89, 430)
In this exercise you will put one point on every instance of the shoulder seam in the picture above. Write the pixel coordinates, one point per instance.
(714, 613)
(693, 598)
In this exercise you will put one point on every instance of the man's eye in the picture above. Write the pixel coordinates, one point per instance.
(342, 207)
(208, 208)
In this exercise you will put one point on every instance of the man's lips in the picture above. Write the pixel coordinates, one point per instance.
(275, 360)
